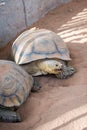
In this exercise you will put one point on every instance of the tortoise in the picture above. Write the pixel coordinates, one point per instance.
(41, 52)
(15, 86)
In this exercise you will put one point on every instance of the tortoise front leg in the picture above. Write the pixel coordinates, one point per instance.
(66, 72)
(36, 86)
(9, 116)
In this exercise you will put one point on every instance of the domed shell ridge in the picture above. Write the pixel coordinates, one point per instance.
(39, 44)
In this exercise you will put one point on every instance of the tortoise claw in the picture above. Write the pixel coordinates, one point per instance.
(67, 72)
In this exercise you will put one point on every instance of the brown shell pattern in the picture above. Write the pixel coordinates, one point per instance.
(15, 84)
(37, 44)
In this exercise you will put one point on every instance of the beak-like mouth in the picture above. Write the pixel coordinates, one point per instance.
(59, 69)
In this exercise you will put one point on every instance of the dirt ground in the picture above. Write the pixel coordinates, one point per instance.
(60, 104)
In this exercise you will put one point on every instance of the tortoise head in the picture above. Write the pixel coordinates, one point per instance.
(59, 68)
(52, 66)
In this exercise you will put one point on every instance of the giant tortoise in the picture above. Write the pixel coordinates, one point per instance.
(15, 87)
(41, 52)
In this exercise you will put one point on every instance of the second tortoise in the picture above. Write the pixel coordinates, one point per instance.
(15, 87)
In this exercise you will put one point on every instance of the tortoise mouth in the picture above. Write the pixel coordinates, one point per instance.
(59, 70)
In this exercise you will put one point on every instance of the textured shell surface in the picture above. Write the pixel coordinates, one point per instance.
(36, 44)
(15, 84)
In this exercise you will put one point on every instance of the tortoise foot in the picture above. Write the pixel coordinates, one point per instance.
(67, 72)
(36, 86)
(9, 116)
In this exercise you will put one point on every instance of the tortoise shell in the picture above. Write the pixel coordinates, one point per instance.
(36, 44)
(15, 84)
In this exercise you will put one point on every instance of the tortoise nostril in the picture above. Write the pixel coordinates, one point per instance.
(61, 66)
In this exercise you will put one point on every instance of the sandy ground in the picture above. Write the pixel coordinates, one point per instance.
(60, 104)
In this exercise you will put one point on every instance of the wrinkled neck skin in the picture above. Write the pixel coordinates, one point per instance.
(45, 66)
